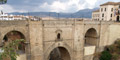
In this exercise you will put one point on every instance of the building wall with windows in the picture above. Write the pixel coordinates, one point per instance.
(95, 15)
(108, 11)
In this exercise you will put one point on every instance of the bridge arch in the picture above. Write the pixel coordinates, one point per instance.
(59, 53)
(16, 35)
(22, 31)
(64, 49)
(91, 36)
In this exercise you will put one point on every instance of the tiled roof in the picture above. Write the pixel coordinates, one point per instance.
(96, 10)
(110, 3)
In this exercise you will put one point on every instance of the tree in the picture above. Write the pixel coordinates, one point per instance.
(10, 50)
(3, 1)
(105, 55)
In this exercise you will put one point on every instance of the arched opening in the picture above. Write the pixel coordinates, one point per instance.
(59, 53)
(91, 37)
(58, 36)
(16, 35)
(118, 18)
(90, 43)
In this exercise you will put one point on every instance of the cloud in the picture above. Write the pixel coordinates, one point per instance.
(8, 8)
(58, 6)
(91, 3)
(51, 5)
(69, 6)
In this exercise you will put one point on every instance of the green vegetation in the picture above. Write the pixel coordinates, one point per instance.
(111, 52)
(10, 50)
(105, 55)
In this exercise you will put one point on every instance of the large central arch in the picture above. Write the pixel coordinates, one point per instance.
(91, 37)
(59, 53)
(15, 35)
(90, 43)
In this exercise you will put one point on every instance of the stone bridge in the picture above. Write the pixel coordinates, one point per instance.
(60, 39)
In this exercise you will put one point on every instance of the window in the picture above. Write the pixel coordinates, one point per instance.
(111, 15)
(112, 9)
(118, 12)
(118, 18)
(102, 15)
(58, 36)
(102, 19)
(101, 9)
(105, 9)
(110, 19)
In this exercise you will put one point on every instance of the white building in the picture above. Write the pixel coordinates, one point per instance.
(109, 11)
(9, 17)
(96, 15)
(4, 16)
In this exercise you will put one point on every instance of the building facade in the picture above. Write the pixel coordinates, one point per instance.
(96, 15)
(109, 11)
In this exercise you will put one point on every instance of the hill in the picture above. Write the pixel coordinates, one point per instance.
(85, 13)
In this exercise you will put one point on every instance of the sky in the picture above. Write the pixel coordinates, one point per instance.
(68, 6)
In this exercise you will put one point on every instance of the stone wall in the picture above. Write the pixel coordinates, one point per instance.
(41, 36)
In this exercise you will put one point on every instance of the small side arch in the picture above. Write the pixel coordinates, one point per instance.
(57, 45)
(59, 53)
(22, 31)
(16, 35)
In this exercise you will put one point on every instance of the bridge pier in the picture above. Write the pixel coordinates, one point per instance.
(78, 42)
(36, 40)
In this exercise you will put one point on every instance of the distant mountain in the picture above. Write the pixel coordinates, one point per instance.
(85, 13)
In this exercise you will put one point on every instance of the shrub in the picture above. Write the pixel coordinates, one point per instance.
(10, 50)
(105, 55)
(115, 56)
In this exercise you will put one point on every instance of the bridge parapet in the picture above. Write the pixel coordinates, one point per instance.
(72, 22)
(57, 22)
(53, 22)
(97, 22)
(107, 22)
(13, 22)
(91, 22)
